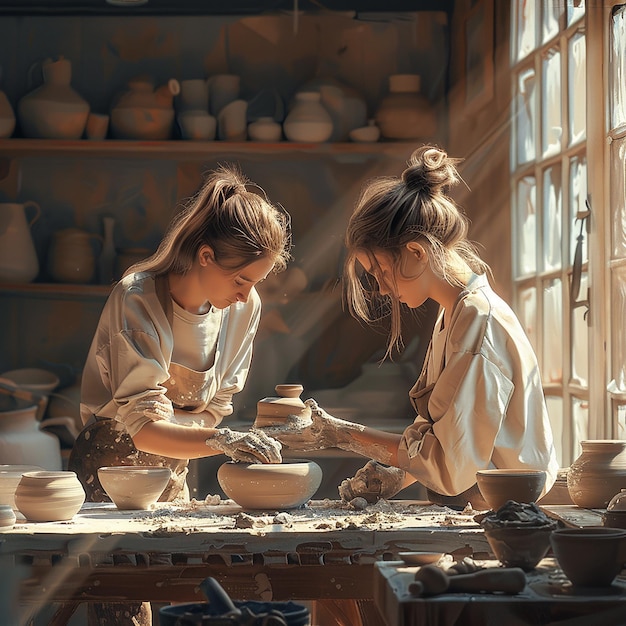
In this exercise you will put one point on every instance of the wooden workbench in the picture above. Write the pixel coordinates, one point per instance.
(324, 551)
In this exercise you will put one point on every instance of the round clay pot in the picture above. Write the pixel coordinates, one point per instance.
(308, 121)
(598, 473)
(134, 486)
(49, 496)
(520, 546)
(275, 486)
(10, 476)
(591, 556)
(498, 486)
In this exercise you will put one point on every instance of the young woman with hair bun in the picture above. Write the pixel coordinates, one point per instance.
(479, 401)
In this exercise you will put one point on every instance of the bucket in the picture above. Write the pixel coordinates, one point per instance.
(221, 610)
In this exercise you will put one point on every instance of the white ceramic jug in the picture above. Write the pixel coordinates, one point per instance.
(21, 440)
(18, 259)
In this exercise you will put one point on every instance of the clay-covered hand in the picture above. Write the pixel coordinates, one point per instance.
(253, 446)
(317, 432)
(372, 482)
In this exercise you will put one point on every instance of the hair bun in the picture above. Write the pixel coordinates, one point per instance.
(430, 170)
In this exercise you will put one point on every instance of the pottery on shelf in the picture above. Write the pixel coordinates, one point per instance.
(35, 380)
(590, 556)
(197, 125)
(346, 108)
(18, 258)
(10, 476)
(72, 257)
(405, 113)
(55, 110)
(21, 440)
(497, 486)
(232, 121)
(308, 121)
(274, 410)
(598, 473)
(49, 496)
(194, 95)
(365, 134)
(265, 129)
(134, 486)
(145, 112)
(274, 486)
(223, 89)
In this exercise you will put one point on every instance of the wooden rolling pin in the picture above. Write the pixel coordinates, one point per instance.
(431, 580)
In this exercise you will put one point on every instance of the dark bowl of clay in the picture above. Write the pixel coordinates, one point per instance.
(592, 556)
(520, 546)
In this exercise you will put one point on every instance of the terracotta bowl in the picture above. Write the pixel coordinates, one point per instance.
(275, 486)
(519, 546)
(498, 486)
(134, 486)
(591, 556)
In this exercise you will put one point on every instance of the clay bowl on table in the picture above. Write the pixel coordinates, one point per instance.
(520, 546)
(497, 486)
(274, 486)
(134, 487)
(592, 556)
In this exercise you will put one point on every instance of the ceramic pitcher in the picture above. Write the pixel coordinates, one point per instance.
(18, 259)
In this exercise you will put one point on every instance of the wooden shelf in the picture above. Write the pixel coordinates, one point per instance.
(191, 149)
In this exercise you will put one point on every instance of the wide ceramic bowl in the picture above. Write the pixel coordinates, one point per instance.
(590, 556)
(498, 486)
(274, 486)
(134, 486)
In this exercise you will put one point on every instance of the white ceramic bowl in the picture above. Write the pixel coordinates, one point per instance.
(274, 486)
(134, 486)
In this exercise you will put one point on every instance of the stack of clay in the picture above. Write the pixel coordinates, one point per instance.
(274, 411)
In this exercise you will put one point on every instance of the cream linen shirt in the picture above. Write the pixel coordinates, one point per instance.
(130, 355)
(487, 407)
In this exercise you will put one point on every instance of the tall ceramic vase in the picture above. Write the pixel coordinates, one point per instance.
(21, 440)
(18, 258)
(308, 121)
(598, 473)
(55, 110)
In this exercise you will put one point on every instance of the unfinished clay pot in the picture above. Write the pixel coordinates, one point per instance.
(49, 496)
(134, 486)
(497, 486)
(598, 473)
(520, 547)
(591, 556)
(274, 411)
(275, 486)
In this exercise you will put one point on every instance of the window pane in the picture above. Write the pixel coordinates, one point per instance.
(552, 218)
(552, 129)
(526, 235)
(555, 412)
(576, 97)
(526, 116)
(527, 307)
(618, 324)
(575, 12)
(552, 369)
(577, 197)
(580, 337)
(618, 68)
(618, 198)
(580, 423)
(551, 12)
(526, 28)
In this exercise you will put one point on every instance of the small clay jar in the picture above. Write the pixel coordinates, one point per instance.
(598, 473)
(49, 496)
(274, 411)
